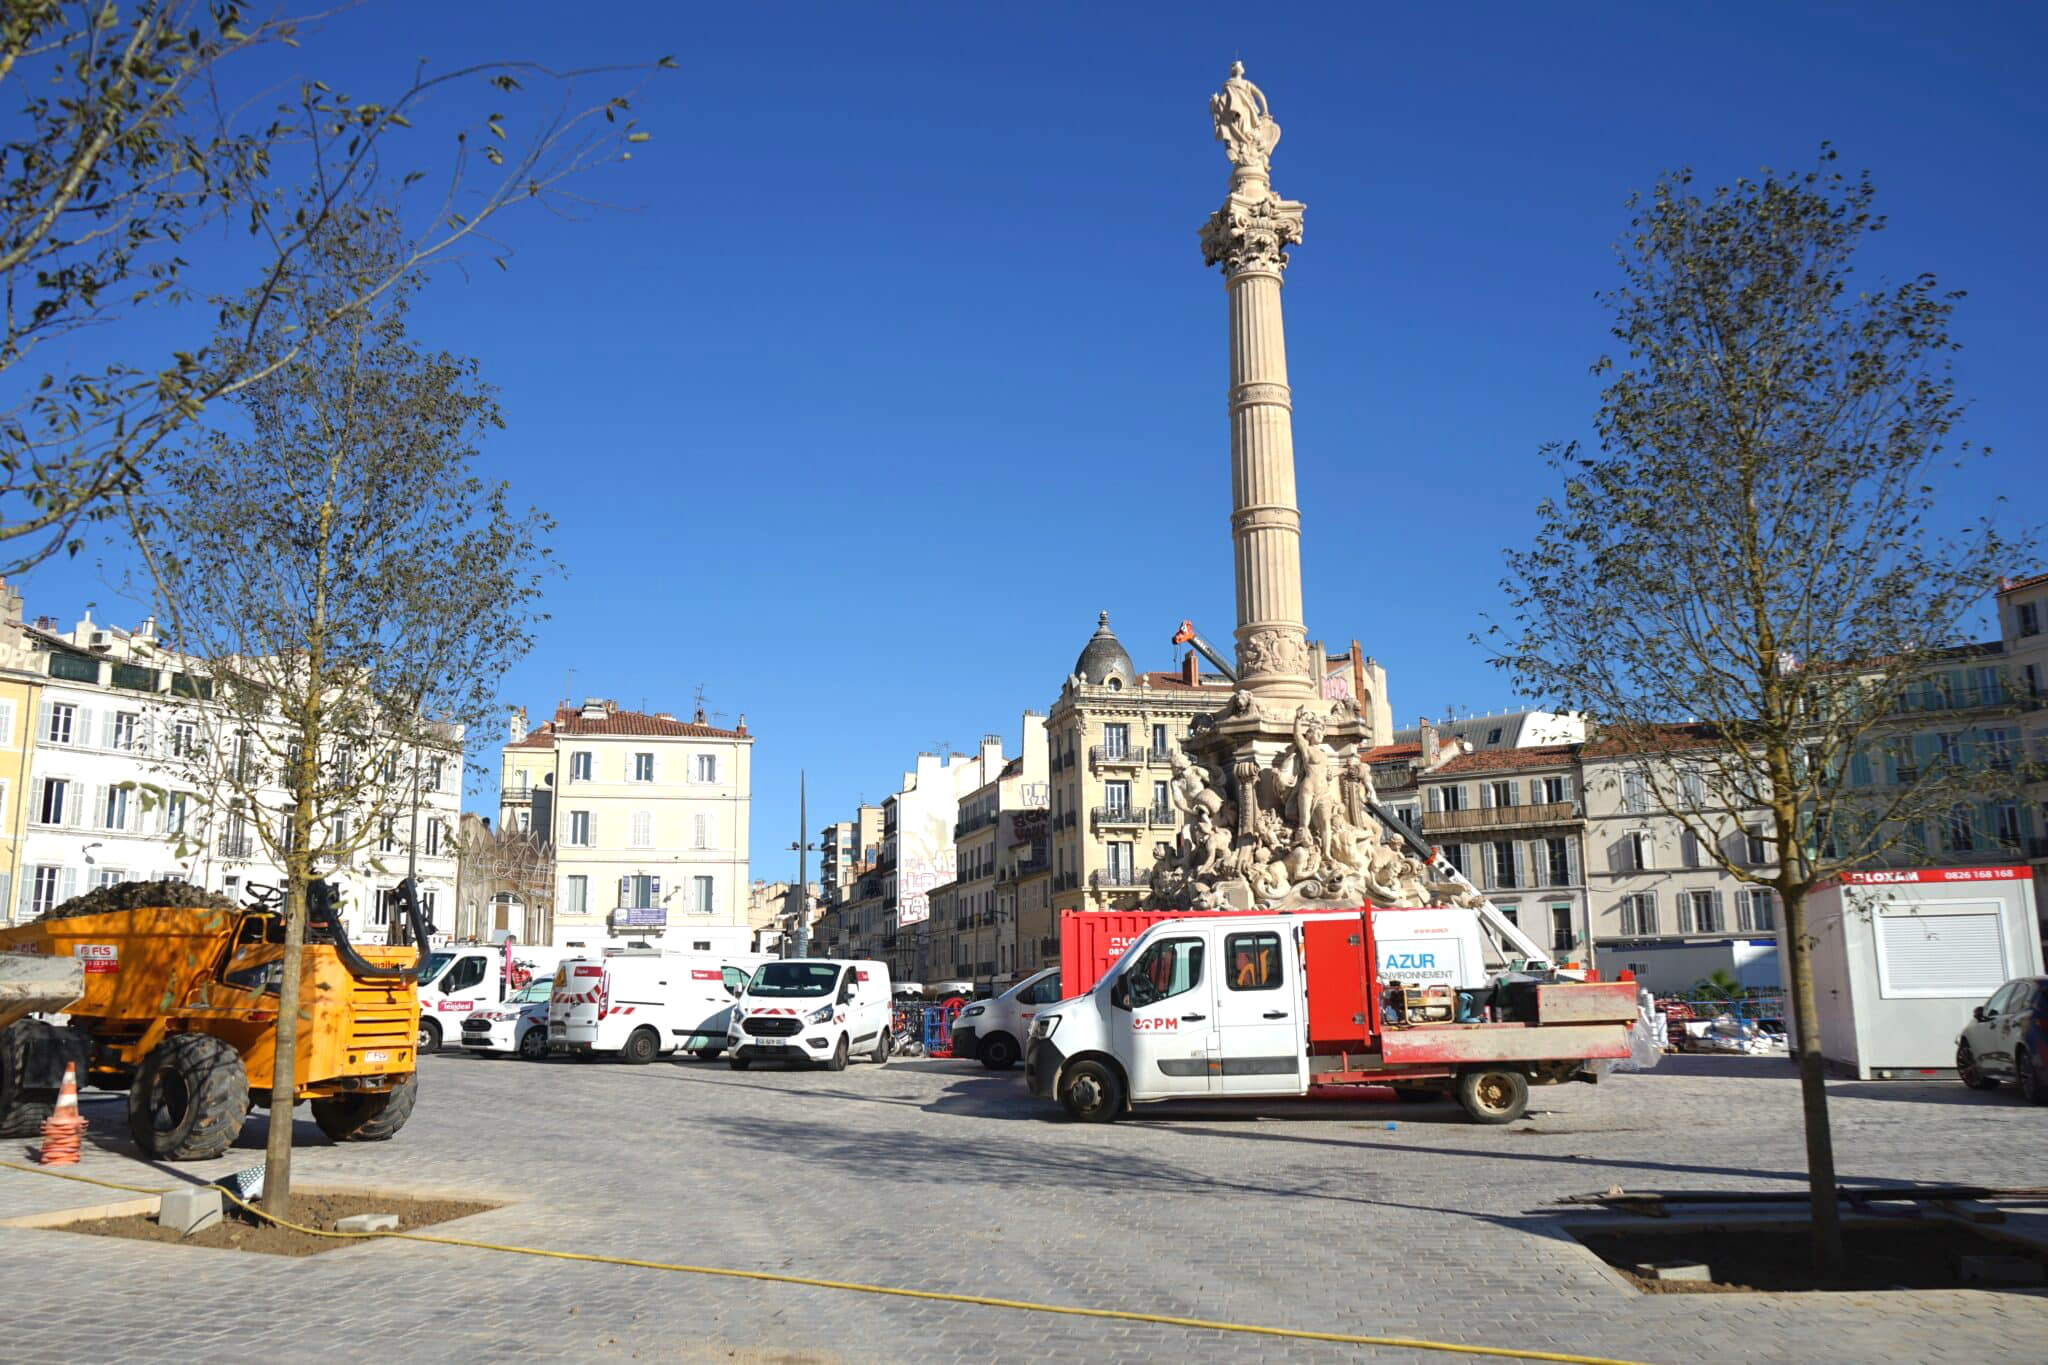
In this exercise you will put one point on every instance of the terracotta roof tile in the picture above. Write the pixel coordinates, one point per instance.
(1209, 683)
(1691, 735)
(2016, 584)
(570, 723)
(1388, 752)
(1503, 760)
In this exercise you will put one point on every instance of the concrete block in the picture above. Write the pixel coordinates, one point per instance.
(368, 1222)
(189, 1211)
(1674, 1270)
(2000, 1270)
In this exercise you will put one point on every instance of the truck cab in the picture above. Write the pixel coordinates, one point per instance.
(813, 1010)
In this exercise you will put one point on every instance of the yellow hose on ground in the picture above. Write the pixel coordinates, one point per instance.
(855, 1287)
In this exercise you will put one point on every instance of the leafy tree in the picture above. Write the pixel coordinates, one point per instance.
(1719, 984)
(126, 141)
(354, 588)
(1754, 547)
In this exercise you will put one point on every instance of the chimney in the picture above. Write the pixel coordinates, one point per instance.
(515, 724)
(1191, 670)
(1429, 745)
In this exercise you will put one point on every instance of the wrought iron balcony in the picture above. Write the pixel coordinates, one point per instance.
(1120, 879)
(1111, 756)
(1163, 815)
(1117, 816)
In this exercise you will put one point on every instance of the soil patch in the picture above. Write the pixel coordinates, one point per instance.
(1779, 1260)
(241, 1231)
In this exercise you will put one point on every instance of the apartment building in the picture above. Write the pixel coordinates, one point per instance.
(1512, 821)
(975, 937)
(918, 852)
(846, 849)
(1112, 736)
(648, 816)
(2023, 631)
(99, 783)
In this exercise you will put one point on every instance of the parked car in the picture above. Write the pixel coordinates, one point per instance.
(519, 1025)
(993, 1031)
(2007, 1040)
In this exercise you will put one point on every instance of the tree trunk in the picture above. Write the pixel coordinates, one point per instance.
(277, 1156)
(1820, 1143)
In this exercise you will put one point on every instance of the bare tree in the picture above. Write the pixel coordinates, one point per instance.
(355, 589)
(1755, 546)
(128, 143)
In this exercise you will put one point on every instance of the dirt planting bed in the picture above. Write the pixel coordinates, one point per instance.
(1917, 1256)
(240, 1231)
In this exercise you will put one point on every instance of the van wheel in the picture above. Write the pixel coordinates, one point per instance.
(430, 1036)
(642, 1047)
(837, 1061)
(1091, 1093)
(189, 1099)
(739, 1063)
(533, 1044)
(883, 1047)
(1494, 1096)
(999, 1052)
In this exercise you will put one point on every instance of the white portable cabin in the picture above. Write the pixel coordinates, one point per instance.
(1901, 957)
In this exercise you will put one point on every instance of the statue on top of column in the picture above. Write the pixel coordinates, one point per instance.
(1244, 123)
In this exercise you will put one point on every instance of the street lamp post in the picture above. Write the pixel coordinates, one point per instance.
(803, 878)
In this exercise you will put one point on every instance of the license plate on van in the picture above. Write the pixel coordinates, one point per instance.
(769, 1042)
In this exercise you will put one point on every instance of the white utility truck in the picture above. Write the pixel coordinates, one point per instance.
(638, 1005)
(456, 982)
(816, 1010)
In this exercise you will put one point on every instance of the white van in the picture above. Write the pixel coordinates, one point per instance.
(813, 1009)
(457, 982)
(639, 1005)
(519, 1025)
(994, 1031)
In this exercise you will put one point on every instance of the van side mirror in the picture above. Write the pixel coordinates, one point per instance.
(1120, 994)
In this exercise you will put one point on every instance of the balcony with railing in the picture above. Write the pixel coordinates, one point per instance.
(1117, 817)
(1120, 879)
(968, 824)
(1165, 816)
(1102, 756)
(1500, 817)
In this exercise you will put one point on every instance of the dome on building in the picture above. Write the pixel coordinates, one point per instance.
(1105, 662)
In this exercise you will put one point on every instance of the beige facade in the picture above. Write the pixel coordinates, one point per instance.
(1512, 821)
(648, 816)
(976, 938)
(1112, 735)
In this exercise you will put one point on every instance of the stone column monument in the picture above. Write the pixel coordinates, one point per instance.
(1275, 802)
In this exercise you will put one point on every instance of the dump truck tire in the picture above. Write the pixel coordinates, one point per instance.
(22, 1108)
(189, 1099)
(367, 1118)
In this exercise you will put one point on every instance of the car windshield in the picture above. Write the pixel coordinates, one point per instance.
(534, 992)
(435, 964)
(794, 978)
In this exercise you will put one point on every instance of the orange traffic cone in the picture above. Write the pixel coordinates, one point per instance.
(65, 1128)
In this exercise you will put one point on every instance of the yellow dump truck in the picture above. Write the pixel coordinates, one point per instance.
(178, 1006)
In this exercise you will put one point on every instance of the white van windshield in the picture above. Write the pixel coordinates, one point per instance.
(794, 978)
(435, 964)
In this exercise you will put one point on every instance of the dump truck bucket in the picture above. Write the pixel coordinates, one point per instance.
(31, 983)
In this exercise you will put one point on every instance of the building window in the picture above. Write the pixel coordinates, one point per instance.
(639, 892)
(704, 830)
(1556, 790)
(1558, 853)
(1452, 798)
(433, 838)
(175, 808)
(1755, 912)
(576, 895)
(115, 812)
(1635, 851)
(1454, 854)
(1998, 749)
(1123, 864)
(1502, 793)
(2005, 817)
(1116, 797)
(1635, 795)
(643, 829)
(579, 828)
(1504, 863)
(2029, 615)
(707, 767)
(1116, 741)
(579, 766)
(1689, 848)
(43, 898)
(63, 718)
(50, 811)
(1699, 912)
(1562, 939)
(337, 837)
(702, 895)
(1962, 831)
(124, 730)
(1639, 914)
(1159, 741)
(643, 767)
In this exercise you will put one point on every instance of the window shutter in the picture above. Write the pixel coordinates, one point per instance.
(1485, 795)
(1571, 859)
(1685, 912)
(1435, 799)
(1520, 866)
(28, 888)
(711, 830)
(6, 737)
(1720, 911)
(70, 885)
(625, 891)
(1567, 786)
(106, 729)
(654, 890)
(81, 726)
(43, 724)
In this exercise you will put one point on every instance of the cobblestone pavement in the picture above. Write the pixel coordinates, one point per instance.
(940, 1175)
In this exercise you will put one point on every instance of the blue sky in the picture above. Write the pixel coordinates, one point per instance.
(892, 359)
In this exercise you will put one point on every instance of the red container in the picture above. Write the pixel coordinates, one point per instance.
(1342, 994)
(1090, 940)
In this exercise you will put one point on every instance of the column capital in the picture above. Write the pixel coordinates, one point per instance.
(1250, 234)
